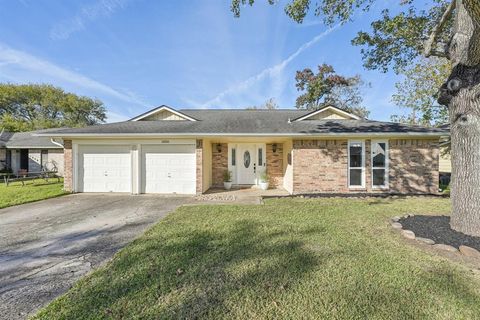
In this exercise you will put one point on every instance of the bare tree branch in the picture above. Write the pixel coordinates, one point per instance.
(431, 42)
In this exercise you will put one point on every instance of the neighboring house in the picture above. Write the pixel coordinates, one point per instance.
(187, 152)
(24, 151)
(445, 158)
(445, 161)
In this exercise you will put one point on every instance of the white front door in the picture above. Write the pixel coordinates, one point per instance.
(169, 169)
(105, 168)
(246, 165)
(249, 163)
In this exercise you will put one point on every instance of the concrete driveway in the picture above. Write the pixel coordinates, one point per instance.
(46, 246)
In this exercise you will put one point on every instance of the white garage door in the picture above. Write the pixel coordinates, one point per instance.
(169, 169)
(105, 168)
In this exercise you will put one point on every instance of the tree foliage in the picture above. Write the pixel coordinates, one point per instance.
(39, 106)
(331, 11)
(418, 92)
(396, 41)
(328, 87)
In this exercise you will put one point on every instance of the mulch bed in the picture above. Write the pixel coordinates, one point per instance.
(438, 229)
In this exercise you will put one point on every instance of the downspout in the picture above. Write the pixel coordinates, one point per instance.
(56, 143)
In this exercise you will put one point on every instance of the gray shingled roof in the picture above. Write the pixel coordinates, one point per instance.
(19, 140)
(4, 136)
(264, 122)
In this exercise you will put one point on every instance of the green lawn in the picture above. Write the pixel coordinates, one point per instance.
(288, 259)
(34, 190)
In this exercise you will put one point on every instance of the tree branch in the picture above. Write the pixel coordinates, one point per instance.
(430, 43)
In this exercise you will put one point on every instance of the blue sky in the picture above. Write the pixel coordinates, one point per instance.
(138, 54)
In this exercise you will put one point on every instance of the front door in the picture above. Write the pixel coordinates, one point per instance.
(246, 164)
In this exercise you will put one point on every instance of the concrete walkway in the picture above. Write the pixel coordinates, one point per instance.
(249, 195)
(46, 246)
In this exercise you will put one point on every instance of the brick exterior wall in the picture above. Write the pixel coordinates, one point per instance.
(275, 165)
(321, 166)
(219, 163)
(199, 164)
(414, 166)
(68, 166)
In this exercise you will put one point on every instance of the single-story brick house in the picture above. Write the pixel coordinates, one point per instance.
(25, 151)
(187, 152)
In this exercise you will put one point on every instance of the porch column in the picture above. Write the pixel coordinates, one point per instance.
(275, 164)
(199, 157)
(68, 166)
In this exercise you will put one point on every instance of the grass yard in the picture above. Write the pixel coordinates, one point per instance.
(289, 259)
(35, 190)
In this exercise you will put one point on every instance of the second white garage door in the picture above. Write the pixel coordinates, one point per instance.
(169, 169)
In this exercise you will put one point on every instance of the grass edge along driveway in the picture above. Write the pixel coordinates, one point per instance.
(290, 258)
(34, 190)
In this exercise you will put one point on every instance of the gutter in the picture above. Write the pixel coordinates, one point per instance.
(285, 135)
(31, 147)
(52, 140)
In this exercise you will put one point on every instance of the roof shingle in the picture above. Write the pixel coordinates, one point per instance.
(263, 122)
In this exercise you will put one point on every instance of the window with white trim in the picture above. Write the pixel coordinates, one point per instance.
(356, 164)
(379, 164)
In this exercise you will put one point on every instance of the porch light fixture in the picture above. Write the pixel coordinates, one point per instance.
(274, 147)
(219, 147)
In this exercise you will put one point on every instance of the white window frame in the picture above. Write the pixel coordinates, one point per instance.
(387, 164)
(362, 142)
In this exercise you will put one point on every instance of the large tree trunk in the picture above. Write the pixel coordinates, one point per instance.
(462, 95)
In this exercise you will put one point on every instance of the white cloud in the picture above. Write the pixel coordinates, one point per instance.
(101, 8)
(273, 72)
(32, 65)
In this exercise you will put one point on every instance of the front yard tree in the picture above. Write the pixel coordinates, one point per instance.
(328, 87)
(444, 28)
(28, 107)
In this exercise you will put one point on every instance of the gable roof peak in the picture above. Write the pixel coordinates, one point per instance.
(161, 108)
(325, 108)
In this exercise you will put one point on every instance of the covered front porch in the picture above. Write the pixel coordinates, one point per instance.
(249, 161)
